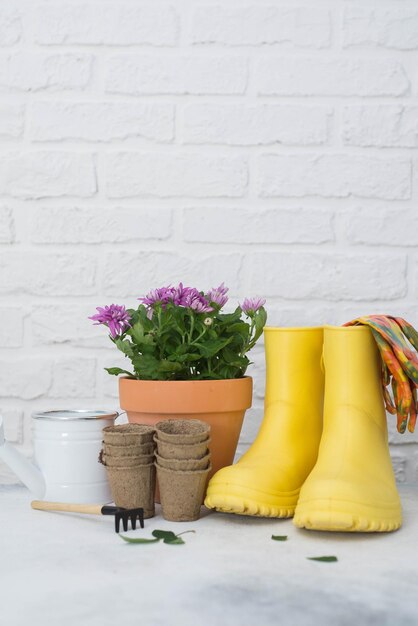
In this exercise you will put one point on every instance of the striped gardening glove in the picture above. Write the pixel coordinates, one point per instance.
(394, 337)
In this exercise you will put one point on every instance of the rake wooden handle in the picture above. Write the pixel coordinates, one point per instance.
(92, 509)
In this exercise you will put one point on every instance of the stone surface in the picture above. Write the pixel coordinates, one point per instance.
(55, 275)
(338, 176)
(265, 124)
(297, 226)
(229, 568)
(21, 71)
(85, 121)
(381, 125)
(193, 74)
(11, 120)
(111, 23)
(47, 174)
(164, 175)
(261, 25)
(10, 24)
(7, 225)
(387, 27)
(98, 225)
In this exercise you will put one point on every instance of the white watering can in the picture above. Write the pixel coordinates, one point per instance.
(67, 446)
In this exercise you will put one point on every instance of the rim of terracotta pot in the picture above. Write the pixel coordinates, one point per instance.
(185, 396)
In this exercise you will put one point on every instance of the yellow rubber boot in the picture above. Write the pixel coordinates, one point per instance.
(267, 479)
(352, 486)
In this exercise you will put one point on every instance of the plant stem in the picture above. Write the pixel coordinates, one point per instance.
(191, 329)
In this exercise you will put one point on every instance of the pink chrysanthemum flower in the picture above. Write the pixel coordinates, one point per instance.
(218, 296)
(163, 295)
(188, 297)
(181, 295)
(251, 305)
(115, 317)
(199, 304)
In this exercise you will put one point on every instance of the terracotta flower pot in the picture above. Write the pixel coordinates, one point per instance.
(220, 403)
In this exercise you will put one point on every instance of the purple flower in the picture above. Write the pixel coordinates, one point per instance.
(218, 295)
(158, 296)
(199, 304)
(188, 297)
(115, 317)
(181, 295)
(250, 305)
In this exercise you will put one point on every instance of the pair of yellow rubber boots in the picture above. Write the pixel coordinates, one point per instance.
(322, 451)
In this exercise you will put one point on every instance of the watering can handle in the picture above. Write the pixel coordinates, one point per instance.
(22, 467)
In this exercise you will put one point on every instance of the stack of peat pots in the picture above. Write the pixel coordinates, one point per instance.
(183, 466)
(128, 455)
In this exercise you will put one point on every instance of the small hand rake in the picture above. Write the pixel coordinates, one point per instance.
(121, 515)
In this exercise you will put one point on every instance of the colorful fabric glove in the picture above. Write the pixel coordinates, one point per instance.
(394, 337)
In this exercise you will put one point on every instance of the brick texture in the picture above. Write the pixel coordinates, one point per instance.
(268, 145)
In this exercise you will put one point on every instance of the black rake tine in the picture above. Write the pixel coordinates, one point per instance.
(126, 515)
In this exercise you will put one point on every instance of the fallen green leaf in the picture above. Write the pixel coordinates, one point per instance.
(166, 535)
(173, 542)
(279, 537)
(323, 559)
(163, 534)
(139, 540)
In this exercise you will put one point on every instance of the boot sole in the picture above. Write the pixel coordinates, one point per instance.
(230, 499)
(361, 518)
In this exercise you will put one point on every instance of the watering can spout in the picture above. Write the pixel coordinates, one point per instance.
(24, 469)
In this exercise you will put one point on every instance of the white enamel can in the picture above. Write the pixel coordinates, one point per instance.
(67, 446)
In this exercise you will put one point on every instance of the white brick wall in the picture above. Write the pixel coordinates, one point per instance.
(268, 144)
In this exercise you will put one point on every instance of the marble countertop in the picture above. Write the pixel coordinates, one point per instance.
(69, 569)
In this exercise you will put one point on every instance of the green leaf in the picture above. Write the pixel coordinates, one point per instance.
(124, 346)
(167, 536)
(146, 365)
(230, 357)
(145, 342)
(239, 327)
(212, 347)
(260, 319)
(164, 534)
(229, 318)
(169, 366)
(323, 559)
(279, 537)
(115, 371)
(139, 540)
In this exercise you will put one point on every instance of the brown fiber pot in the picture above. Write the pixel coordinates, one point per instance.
(220, 403)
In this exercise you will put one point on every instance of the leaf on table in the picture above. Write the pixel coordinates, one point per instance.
(167, 535)
(279, 537)
(138, 540)
(323, 559)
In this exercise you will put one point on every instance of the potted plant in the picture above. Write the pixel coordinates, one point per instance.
(188, 360)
